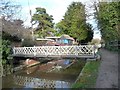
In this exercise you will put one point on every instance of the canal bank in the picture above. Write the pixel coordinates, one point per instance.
(88, 75)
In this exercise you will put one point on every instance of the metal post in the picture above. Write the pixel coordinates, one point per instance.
(34, 51)
(31, 21)
(13, 50)
(32, 31)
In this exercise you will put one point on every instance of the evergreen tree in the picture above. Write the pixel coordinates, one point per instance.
(74, 22)
(44, 21)
(108, 17)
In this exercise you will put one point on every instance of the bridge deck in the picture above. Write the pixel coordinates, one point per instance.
(56, 56)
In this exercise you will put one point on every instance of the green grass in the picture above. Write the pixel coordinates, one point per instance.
(89, 75)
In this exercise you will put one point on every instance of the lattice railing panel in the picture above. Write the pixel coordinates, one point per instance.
(85, 50)
(55, 50)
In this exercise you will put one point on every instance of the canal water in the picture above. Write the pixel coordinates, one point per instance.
(53, 74)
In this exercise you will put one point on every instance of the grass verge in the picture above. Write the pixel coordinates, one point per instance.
(88, 76)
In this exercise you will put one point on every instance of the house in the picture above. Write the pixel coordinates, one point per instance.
(62, 40)
(56, 41)
(66, 40)
(44, 42)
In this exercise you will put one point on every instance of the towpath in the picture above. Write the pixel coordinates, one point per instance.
(108, 70)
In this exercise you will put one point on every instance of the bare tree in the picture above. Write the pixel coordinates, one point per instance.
(9, 9)
(11, 22)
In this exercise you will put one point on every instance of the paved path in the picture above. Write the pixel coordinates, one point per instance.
(108, 70)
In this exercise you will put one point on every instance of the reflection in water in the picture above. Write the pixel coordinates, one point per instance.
(31, 69)
(66, 62)
(30, 82)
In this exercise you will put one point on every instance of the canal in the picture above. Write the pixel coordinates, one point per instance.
(60, 73)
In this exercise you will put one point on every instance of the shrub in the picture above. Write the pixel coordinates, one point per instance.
(28, 43)
(95, 41)
(6, 61)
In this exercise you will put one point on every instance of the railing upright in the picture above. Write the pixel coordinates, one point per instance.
(13, 50)
(34, 51)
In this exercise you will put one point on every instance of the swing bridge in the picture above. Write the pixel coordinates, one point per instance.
(81, 51)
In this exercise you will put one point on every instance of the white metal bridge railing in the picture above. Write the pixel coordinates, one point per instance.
(44, 51)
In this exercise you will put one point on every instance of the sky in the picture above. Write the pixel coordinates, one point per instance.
(57, 8)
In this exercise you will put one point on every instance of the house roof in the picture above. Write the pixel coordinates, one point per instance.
(52, 37)
(67, 37)
(55, 37)
(44, 39)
